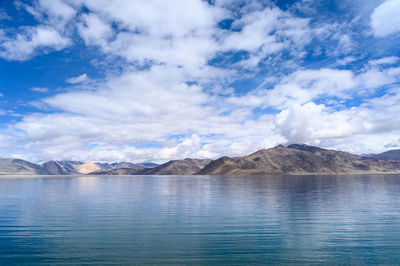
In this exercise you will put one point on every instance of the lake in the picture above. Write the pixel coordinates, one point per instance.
(200, 220)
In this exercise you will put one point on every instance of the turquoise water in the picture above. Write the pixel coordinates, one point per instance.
(200, 220)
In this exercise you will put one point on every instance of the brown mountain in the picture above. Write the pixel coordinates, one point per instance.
(388, 155)
(77, 167)
(298, 159)
(73, 167)
(328, 154)
(294, 159)
(20, 167)
(177, 167)
(60, 167)
(126, 170)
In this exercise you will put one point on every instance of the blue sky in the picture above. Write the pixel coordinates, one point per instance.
(157, 80)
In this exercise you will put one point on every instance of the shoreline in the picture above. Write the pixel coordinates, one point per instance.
(4, 176)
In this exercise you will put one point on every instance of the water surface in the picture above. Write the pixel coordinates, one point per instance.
(200, 220)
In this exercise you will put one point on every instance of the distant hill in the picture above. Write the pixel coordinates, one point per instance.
(389, 155)
(298, 159)
(174, 167)
(133, 169)
(59, 167)
(294, 159)
(77, 167)
(73, 167)
(177, 167)
(20, 167)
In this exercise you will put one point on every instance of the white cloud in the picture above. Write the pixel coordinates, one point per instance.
(385, 18)
(29, 40)
(57, 9)
(312, 123)
(153, 31)
(146, 106)
(393, 144)
(53, 13)
(149, 106)
(170, 97)
(39, 89)
(301, 87)
(346, 60)
(358, 129)
(79, 79)
(52, 32)
(373, 78)
(94, 31)
(385, 61)
(265, 32)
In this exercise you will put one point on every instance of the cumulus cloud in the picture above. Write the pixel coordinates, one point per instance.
(29, 40)
(134, 107)
(152, 105)
(170, 101)
(312, 122)
(52, 34)
(53, 13)
(57, 9)
(318, 124)
(147, 106)
(95, 31)
(385, 18)
(154, 31)
(373, 78)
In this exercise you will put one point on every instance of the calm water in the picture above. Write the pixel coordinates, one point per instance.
(200, 220)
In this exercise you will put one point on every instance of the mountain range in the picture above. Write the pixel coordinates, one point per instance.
(296, 159)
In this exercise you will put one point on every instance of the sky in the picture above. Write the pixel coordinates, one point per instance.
(154, 80)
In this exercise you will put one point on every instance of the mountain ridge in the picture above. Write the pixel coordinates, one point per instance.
(299, 159)
(393, 155)
(293, 159)
(186, 166)
(10, 166)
